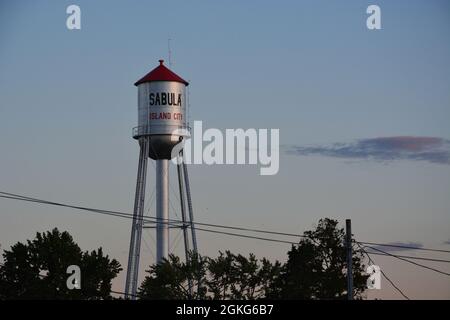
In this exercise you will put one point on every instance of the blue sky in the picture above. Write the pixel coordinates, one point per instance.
(310, 68)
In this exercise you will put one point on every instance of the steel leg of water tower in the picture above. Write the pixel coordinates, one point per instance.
(162, 209)
(131, 252)
(183, 217)
(130, 267)
(136, 228)
(191, 211)
(140, 220)
(191, 214)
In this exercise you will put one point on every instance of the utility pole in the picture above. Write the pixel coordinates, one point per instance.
(348, 243)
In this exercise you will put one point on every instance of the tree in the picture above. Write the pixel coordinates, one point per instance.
(228, 276)
(170, 278)
(316, 267)
(237, 277)
(37, 269)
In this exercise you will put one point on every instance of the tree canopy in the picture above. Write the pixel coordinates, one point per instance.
(37, 269)
(229, 276)
(315, 269)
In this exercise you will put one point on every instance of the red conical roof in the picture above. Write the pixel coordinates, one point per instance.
(161, 73)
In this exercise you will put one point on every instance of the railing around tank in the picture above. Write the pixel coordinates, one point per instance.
(150, 129)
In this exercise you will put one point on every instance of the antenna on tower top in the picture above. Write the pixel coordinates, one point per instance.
(170, 52)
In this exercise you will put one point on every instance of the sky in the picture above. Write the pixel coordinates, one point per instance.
(363, 118)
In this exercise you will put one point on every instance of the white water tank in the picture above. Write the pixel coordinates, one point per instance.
(161, 110)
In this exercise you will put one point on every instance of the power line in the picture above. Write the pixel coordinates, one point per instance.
(384, 274)
(221, 226)
(245, 236)
(173, 221)
(411, 257)
(403, 246)
(130, 216)
(409, 261)
(25, 198)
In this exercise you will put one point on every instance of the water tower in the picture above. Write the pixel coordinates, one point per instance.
(162, 127)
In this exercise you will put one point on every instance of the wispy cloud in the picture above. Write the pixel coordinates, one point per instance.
(430, 149)
(408, 246)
